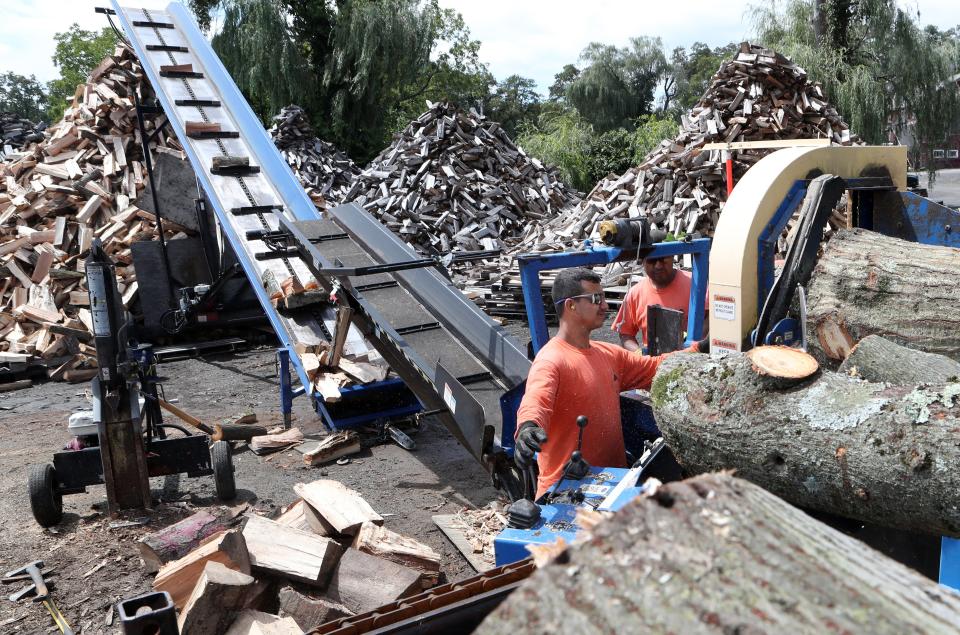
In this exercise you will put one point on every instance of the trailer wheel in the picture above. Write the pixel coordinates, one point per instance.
(45, 502)
(222, 461)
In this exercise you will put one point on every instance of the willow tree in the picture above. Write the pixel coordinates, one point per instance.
(876, 64)
(617, 85)
(352, 64)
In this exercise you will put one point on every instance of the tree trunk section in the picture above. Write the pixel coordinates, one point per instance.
(877, 359)
(881, 454)
(236, 432)
(716, 554)
(180, 538)
(870, 284)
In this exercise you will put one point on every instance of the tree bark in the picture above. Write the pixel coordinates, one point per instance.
(881, 454)
(716, 554)
(867, 283)
(179, 539)
(877, 359)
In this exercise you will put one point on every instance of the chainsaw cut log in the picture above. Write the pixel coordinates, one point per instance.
(288, 552)
(867, 283)
(178, 539)
(340, 506)
(380, 541)
(332, 447)
(782, 362)
(251, 622)
(881, 454)
(362, 582)
(309, 612)
(219, 594)
(877, 359)
(716, 554)
(236, 432)
(300, 515)
(180, 576)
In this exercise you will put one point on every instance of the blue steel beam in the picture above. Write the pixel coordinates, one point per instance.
(532, 264)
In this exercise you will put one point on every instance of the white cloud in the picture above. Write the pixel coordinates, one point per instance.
(28, 26)
(537, 38)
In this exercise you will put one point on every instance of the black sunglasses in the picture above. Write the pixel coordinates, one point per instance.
(595, 298)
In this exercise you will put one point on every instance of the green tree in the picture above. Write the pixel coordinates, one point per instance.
(357, 66)
(618, 84)
(514, 101)
(562, 138)
(561, 83)
(77, 52)
(650, 131)
(876, 65)
(689, 73)
(23, 96)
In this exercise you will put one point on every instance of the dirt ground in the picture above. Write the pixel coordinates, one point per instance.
(96, 560)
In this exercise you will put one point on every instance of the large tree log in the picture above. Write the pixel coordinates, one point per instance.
(867, 283)
(716, 554)
(179, 539)
(881, 454)
(877, 359)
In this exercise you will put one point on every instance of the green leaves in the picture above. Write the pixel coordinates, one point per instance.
(876, 65)
(23, 96)
(78, 51)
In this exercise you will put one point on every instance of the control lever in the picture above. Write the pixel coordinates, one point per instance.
(576, 468)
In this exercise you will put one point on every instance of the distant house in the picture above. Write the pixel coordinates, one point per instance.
(946, 154)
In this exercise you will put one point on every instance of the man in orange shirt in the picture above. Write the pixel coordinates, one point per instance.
(662, 285)
(572, 376)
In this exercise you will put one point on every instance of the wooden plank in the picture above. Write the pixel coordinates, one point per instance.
(291, 553)
(219, 594)
(180, 576)
(342, 507)
(771, 143)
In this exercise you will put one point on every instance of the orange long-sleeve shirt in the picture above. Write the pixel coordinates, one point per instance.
(565, 382)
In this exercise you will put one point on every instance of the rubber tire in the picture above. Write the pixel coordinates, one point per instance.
(45, 502)
(222, 461)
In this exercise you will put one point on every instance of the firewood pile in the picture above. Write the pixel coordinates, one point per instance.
(56, 196)
(756, 96)
(759, 95)
(325, 556)
(16, 132)
(452, 181)
(324, 171)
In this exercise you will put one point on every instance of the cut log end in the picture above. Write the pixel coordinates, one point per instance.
(782, 362)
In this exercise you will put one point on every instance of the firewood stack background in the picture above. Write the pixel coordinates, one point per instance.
(56, 196)
(452, 181)
(324, 171)
(759, 95)
(16, 132)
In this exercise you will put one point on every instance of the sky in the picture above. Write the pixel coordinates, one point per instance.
(533, 38)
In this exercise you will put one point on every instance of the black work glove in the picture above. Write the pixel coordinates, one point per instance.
(703, 346)
(529, 439)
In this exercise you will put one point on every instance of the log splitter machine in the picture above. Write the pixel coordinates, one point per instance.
(131, 443)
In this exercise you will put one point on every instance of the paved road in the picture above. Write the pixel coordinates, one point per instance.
(946, 186)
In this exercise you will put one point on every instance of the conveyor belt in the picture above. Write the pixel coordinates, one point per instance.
(456, 360)
(454, 357)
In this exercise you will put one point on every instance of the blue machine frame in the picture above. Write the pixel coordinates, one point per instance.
(532, 264)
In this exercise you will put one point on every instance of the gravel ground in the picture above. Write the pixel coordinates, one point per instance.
(407, 488)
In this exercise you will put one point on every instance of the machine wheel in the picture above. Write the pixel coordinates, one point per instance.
(45, 502)
(222, 461)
